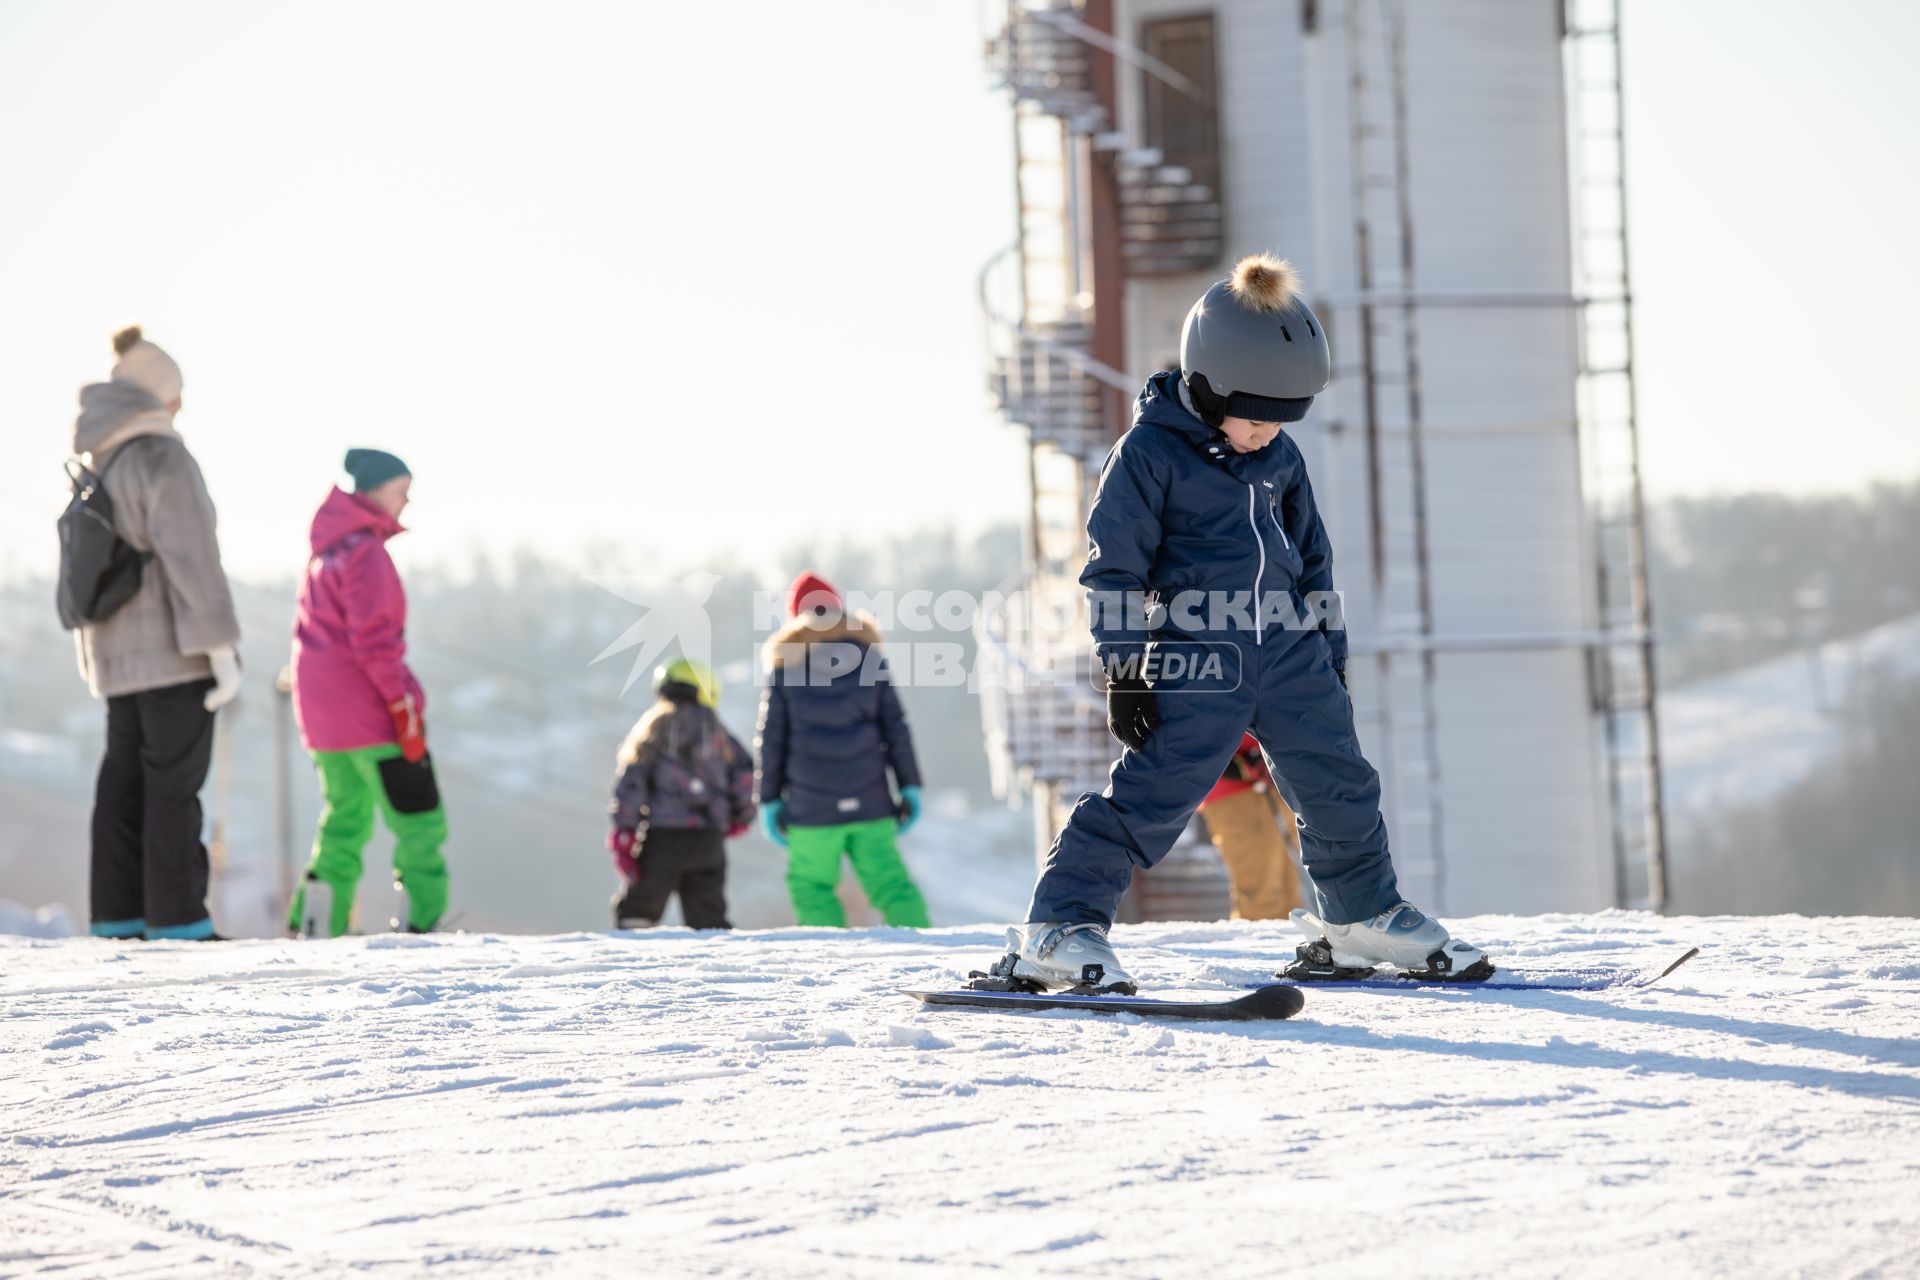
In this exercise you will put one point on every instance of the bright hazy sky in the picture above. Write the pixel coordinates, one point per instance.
(695, 276)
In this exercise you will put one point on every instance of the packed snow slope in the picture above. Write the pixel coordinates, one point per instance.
(767, 1104)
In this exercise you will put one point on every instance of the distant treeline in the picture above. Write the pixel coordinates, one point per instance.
(1739, 579)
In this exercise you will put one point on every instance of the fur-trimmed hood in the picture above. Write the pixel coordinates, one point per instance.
(860, 628)
(831, 725)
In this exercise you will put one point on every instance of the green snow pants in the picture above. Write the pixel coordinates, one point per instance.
(813, 870)
(352, 783)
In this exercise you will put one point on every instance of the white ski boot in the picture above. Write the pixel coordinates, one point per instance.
(1403, 936)
(316, 909)
(1055, 955)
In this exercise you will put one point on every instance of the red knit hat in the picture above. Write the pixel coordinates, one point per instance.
(812, 592)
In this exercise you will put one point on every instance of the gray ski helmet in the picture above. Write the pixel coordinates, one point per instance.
(1252, 348)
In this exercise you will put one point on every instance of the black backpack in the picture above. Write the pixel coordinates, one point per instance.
(99, 570)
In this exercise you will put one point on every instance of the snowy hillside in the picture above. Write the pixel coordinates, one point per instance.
(1748, 735)
(768, 1105)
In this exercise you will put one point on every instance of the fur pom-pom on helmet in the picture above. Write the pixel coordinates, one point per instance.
(1264, 283)
(123, 341)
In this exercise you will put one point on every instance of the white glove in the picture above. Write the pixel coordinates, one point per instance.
(226, 678)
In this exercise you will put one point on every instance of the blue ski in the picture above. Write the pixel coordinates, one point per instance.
(1582, 978)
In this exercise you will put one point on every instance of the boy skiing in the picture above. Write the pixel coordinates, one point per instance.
(684, 789)
(1204, 549)
(831, 728)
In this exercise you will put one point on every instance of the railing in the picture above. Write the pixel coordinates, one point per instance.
(1041, 62)
(1045, 720)
(1170, 224)
(1044, 379)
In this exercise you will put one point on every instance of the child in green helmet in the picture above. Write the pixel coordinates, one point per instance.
(684, 787)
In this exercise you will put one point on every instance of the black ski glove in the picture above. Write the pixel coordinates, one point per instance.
(1342, 673)
(1131, 713)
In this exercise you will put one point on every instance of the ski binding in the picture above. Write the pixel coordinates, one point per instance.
(1001, 976)
(1314, 962)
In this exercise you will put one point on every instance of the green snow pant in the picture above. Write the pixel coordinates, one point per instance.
(352, 783)
(813, 870)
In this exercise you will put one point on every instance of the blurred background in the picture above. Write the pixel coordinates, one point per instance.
(1622, 479)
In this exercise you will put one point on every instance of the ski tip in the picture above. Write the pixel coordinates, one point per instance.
(1277, 1001)
(1685, 956)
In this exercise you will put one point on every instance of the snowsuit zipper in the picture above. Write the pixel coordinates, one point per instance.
(1260, 542)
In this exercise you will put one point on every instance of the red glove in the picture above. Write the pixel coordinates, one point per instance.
(620, 845)
(411, 729)
(738, 829)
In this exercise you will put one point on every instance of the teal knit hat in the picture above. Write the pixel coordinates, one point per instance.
(371, 468)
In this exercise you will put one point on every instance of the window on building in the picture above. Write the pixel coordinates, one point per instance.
(1184, 125)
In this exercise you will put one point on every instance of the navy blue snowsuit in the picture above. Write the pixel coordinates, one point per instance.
(831, 725)
(1179, 514)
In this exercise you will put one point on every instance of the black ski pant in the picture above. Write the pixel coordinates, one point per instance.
(689, 861)
(149, 866)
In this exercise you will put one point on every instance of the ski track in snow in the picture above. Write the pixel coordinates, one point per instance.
(766, 1104)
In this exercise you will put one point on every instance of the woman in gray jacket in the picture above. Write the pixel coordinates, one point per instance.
(165, 661)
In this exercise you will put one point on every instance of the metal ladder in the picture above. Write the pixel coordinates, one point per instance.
(1622, 670)
(1393, 430)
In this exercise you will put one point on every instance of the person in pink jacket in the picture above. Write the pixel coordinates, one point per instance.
(360, 708)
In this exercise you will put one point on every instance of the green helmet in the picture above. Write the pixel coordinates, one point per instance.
(1252, 348)
(696, 675)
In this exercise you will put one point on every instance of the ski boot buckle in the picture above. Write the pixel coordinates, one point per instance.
(999, 976)
(1093, 982)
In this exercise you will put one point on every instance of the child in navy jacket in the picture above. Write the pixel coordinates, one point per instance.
(1210, 583)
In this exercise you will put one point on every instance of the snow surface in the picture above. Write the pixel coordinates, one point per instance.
(766, 1104)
